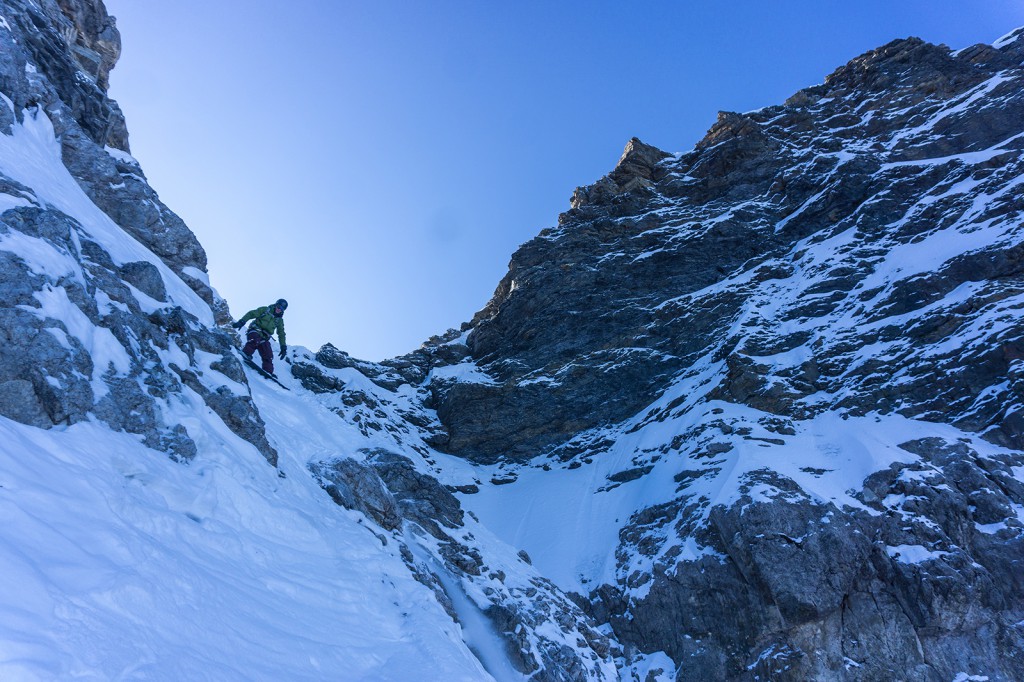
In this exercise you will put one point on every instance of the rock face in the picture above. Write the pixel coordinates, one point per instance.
(853, 257)
(898, 145)
(780, 375)
(57, 58)
(106, 311)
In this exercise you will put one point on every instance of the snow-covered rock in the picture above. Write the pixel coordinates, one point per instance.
(751, 411)
(779, 376)
(166, 518)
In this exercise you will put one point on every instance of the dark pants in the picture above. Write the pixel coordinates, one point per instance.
(254, 341)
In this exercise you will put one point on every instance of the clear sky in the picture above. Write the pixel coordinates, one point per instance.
(378, 162)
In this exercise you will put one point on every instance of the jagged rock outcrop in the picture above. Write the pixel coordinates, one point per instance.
(596, 314)
(94, 324)
(546, 635)
(57, 58)
(853, 254)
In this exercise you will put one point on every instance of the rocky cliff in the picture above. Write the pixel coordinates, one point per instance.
(110, 328)
(800, 346)
(108, 313)
(758, 405)
(750, 411)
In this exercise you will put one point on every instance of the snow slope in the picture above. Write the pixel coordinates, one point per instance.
(120, 563)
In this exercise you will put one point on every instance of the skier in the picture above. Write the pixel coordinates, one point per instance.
(265, 321)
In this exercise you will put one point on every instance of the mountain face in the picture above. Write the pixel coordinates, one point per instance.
(90, 314)
(164, 517)
(790, 360)
(752, 411)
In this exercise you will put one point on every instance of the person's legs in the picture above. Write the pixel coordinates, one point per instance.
(252, 340)
(267, 355)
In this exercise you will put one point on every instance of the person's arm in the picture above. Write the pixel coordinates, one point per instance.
(280, 336)
(245, 318)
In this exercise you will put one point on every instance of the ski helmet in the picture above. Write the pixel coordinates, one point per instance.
(281, 303)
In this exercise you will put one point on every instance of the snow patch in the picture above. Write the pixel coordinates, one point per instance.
(108, 355)
(653, 667)
(913, 554)
(196, 274)
(967, 677)
(1011, 37)
(465, 372)
(121, 155)
(39, 255)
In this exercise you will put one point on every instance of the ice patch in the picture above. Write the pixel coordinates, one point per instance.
(477, 630)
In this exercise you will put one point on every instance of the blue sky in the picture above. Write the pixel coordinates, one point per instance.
(377, 163)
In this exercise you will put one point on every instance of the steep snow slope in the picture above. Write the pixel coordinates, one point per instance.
(119, 561)
(753, 411)
(165, 514)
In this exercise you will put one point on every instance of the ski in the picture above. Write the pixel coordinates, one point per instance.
(263, 372)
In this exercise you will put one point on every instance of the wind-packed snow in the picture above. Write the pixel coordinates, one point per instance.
(120, 563)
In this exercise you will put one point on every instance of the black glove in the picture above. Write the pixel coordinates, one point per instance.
(281, 354)
(238, 325)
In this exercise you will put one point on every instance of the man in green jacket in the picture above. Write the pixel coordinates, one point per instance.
(265, 321)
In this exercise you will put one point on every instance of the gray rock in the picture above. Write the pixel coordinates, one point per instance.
(420, 498)
(73, 44)
(145, 277)
(18, 401)
(356, 486)
(675, 262)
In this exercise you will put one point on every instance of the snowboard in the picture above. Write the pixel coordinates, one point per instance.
(265, 374)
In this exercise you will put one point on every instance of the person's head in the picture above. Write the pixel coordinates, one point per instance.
(280, 305)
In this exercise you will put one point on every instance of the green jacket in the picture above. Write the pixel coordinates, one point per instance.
(264, 321)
